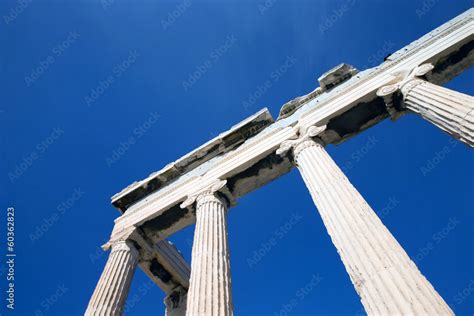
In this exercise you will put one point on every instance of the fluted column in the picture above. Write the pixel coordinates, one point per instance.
(112, 289)
(449, 110)
(386, 279)
(210, 284)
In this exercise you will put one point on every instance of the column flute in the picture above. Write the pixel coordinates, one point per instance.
(112, 289)
(210, 285)
(451, 111)
(386, 279)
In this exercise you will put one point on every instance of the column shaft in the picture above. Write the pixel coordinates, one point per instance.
(210, 285)
(388, 282)
(449, 110)
(112, 289)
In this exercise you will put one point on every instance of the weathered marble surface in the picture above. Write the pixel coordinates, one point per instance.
(386, 279)
(346, 109)
(451, 111)
(245, 156)
(210, 290)
(112, 289)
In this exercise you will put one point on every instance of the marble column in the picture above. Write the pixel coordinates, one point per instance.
(112, 289)
(386, 279)
(451, 111)
(175, 302)
(210, 284)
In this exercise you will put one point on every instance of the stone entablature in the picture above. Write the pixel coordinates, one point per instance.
(202, 185)
(253, 163)
(217, 146)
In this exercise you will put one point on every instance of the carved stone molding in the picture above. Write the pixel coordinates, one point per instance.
(128, 234)
(209, 192)
(404, 84)
(304, 139)
(451, 111)
(315, 108)
(124, 245)
(399, 86)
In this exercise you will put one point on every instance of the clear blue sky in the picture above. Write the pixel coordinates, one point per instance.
(78, 77)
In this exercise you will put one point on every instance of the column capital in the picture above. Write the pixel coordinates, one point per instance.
(111, 292)
(403, 83)
(403, 80)
(122, 236)
(304, 138)
(211, 192)
(449, 110)
(124, 245)
(132, 238)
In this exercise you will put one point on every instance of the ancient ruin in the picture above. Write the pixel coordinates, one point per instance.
(200, 187)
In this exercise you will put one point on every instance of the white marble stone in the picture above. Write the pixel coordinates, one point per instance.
(451, 111)
(384, 276)
(112, 289)
(313, 109)
(386, 279)
(210, 285)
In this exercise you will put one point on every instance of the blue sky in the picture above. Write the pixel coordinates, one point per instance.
(78, 77)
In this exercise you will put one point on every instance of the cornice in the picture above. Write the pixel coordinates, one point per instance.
(316, 111)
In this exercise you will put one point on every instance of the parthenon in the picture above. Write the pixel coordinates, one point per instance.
(200, 187)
